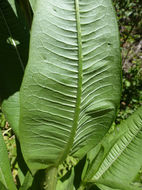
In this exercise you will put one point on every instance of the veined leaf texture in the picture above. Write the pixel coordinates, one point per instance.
(72, 83)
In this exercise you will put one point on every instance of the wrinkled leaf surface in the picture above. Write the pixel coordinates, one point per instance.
(124, 160)
(72, 83)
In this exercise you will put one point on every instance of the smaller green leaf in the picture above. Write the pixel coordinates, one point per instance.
(21, 176)
(11, 110)
(5, 173)
(103, 187)
(2, 187)
(20, 160)
(93, 161)
(67, 182)
(27, 182)
(123, 160)
(96, 156)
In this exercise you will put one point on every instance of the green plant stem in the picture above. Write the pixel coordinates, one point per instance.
(50, 179)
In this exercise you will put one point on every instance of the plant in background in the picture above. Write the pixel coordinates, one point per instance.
(67, 102)
(129, 14)
(14, 46)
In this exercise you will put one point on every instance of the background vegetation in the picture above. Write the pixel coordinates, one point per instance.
(129, 14)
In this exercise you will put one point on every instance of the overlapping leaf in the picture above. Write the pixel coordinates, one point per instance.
(120, 167)
(72, 83)
(103, 187)
(5, 172)
(27, 182)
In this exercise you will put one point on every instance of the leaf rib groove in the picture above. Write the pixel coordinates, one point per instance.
(79, 89)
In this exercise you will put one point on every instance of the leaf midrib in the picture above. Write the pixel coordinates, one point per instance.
(79, 89)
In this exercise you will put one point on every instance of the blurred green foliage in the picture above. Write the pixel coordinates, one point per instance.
(2, 120)
(129, 13)
(131, 93)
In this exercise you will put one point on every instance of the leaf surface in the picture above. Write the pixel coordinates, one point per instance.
(103, 187)
(27, 182)
(69, 97)
(5, 172)
(123, 162)
(2, 187)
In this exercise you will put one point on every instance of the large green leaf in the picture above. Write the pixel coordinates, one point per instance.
(14, 42)
(5, 172)
(123, 162)
(72, 84)
(27, 182)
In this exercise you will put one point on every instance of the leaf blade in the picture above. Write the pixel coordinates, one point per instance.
(27, 182)
(99, 62)
(50, 95)
(5, 171)
(125, 154)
